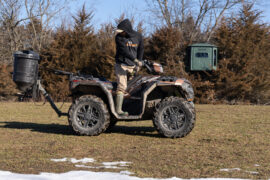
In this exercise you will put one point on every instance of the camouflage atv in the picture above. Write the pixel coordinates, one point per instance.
(167, 100)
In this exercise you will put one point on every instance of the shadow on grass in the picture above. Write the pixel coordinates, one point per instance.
(135, 131)
(43, 128)
(66, 130)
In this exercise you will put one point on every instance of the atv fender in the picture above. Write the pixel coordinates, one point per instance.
(96, 88)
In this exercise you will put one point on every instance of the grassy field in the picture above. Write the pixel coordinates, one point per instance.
(224, 137)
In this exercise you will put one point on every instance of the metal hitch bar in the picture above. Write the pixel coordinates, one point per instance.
(49, 99)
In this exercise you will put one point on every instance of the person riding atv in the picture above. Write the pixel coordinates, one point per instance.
(166, 100)
(129, 54)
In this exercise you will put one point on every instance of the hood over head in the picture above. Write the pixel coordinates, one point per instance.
(126, 26)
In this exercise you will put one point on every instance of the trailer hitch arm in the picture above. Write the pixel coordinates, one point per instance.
(49, 99)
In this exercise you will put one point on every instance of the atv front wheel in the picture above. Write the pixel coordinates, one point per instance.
(89, 116)
(174, 117)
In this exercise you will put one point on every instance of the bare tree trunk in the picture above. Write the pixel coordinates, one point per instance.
(32, 31)
(206, 14)
(42, 12)
(9, 11)
(218, 16)
(163, 5)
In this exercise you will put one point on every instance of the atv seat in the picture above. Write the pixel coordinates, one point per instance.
(113, 85)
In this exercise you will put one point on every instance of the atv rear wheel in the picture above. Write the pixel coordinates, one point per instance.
(174, 117)
(89, 116)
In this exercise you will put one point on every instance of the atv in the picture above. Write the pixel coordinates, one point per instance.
(167, 100)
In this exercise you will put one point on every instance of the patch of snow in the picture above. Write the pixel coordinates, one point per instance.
(256, 165)
(126, 172)
(105, 165)
(72, 175)
(73, 160)
(120, 163)
(232, 169)
(252, 172)
(84, 166)
(84, 160)
(60, 160)
(238, 169)
(97, 167)
(110, 167)
(82, 175)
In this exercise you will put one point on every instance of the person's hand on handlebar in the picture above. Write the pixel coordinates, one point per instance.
(138, 62)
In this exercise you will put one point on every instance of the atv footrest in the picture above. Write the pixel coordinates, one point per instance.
(129, 117)
(134, 98)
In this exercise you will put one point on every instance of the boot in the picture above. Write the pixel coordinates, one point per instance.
(119, 103)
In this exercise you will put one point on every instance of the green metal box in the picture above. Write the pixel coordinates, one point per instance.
(202, 57)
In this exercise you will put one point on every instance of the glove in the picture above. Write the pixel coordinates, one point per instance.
(138, 62)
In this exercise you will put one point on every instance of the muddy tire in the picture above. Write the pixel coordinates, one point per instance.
(89, 115)
(174, 117)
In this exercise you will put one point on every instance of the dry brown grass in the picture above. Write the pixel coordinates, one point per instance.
(223, 137)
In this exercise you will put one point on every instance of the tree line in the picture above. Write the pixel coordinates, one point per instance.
(242, 38)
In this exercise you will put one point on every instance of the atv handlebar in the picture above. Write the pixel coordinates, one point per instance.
(153, 67)
(148, 65)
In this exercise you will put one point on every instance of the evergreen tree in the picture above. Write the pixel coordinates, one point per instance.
(244, 45)
(7, 86)
(71, 51)
(167, 46)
